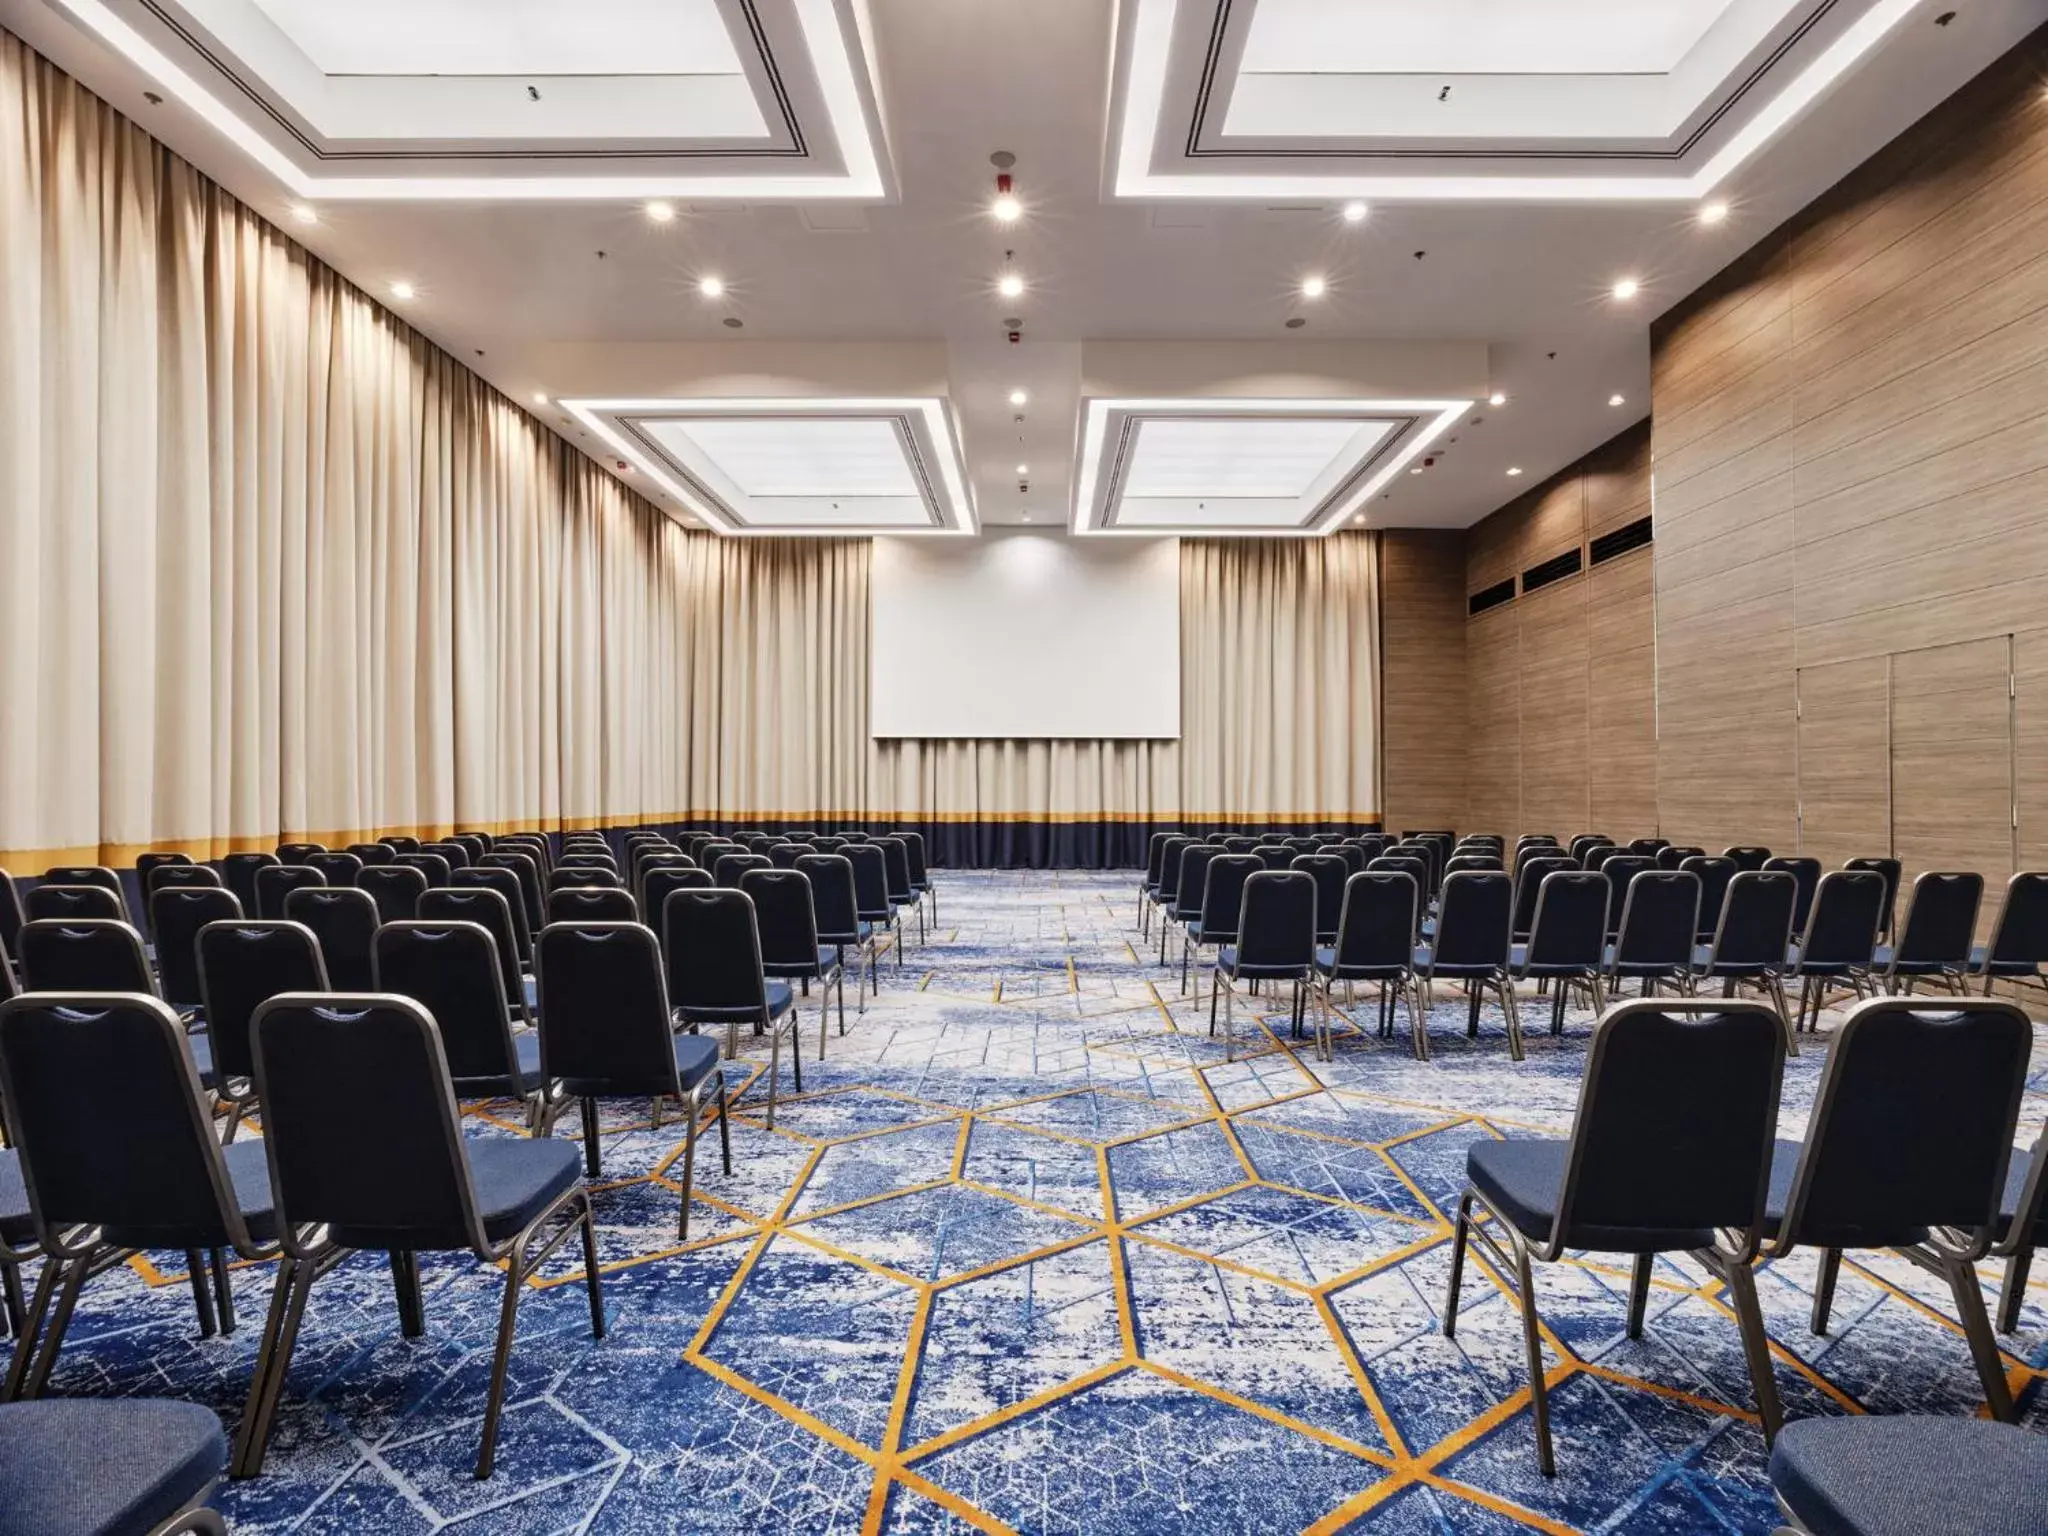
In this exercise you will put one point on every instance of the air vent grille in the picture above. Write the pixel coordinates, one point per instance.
(1632, 536)
(1500, 592)
(1555, 569)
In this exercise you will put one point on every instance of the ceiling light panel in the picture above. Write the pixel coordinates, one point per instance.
(1474, 36)
(797, 457)
(1264, 459)
(519, 37)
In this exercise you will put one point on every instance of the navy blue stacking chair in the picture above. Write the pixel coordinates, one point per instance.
(160, 877)
(48, 902)
(1909, 1475)
(1936, 935)
(242, 965)
(1753, 940)
(1162, 875)
(91, 874)
(178, 913)
(105, 1107)
(295, 853)
(1183, 902)
(902, 893)
(432, 867)
(1672, 855)
(1216, 921)
(87, 954)
(712, 948)
(1473, 945)
(1567, 944)
(401, 843)
(1271, 855)
(276, 883)
(478, 843)
(836, 908)
(920, 872)
(395, 888)
(345, 921)
(1529, 876)
(1275, 941)
(1578, 845)
(410, 1184)
(338, 868)
(1807, 872)
(871, 902)
(1907, 1148)
(1670, 1151)
(1839, 938)
(1715, 872)
(1654, 939)
(591, 904)
(110, 1467)
(452, 969)
(606, 1033)
(786, 920)
(488, 907)
(239, 871)
(646, 866)
(1747, 856)
(1329, 871)
(584, 877)
(1891, 870)
(524, 868)
(457, 854)
(506, 883)
(1376, 932)
(1620, 869)
(2019, 937)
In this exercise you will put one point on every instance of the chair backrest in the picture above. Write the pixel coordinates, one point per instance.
(1841, 928)
(488, 909)
(604, 1013)
(1891, 870)
(374, 855)
(1155, 851)
(784, 920)
(506, 883)
(1756, 920)
(1620, 869)
(1648, 847)
(452, 970)
(11, 917)
(163, 877)
(784, 855)
(1599, 854)
(1194, 878)
(1472, 920)
(583, 877)
(345, 921)
(48, 901)
(1672, 855)
(1660, 918)
(478, 843)
(1273, 855)
(2020, 935)
(1568, 930)
(1578, 845)
(1715, 872)
(1426, 853)
(896, 867)
(319, 1060)
(826, 842)
(591, 904)
(1747, 856)
(1277, 923)
(713, 950)
(1329, 871)
(177, 913)
(920, 870)
(83, 954)
(90, 875)
(587, 857)
(337, 868)
(663, 878)
(870, 881)
(1677, 1111)
(457, 854)
(526, 870)
(395, 888)
(1806, 871)
(1529, 873)
(727, 868)
(432, 867)
(534, 846)
(275, 884)
(243, 964)
(295, 853)
(1377, 925)
(155, 859)
(1478, 861)
(104, 1103)
(1168, 882)
(1941, 919)
(401, 842)
(1913, 1123)
(1223, 895)
(832, 896)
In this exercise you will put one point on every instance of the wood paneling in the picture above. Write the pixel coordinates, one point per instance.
(1851, 446)
(1493, 766)
(1845, 760)
(1422, 677)
(2030, 745)
(1554, 708)
(1621, 689)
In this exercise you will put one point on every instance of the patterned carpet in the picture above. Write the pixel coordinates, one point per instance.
(1028, 1255)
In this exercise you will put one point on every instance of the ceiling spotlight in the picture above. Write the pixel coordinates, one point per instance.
(1616, 400)
(1626, 289)
(1010, 285)
(1514, 469)
(1354, 213)
(401, 290)
(1714, 212)
(1018, 397)
(1313, 287)
(540, 398)
(304, 214)
(1358, 517)
(1416, 470)
(711, 287)
(1027, 517)
(1496, 398)
(1006, 208)
(662, 213)
(1023, 469)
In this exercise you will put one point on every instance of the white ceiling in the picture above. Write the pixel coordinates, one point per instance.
(509, 37)
(584, 298)
(1515, 37)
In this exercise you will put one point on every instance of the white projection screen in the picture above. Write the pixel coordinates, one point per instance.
(1025, 635)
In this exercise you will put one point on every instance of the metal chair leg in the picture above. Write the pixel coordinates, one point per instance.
(1969, 1297)
(1639, 1292)
(724, 1124)
(591, 1158)
(1460, 1240)
(1532, 1346)
(1824, 1290)
(202, 1293)
(273, 1359)
(2014, 1292)
(1756, 1347)
(29, 1333)
(11, 1299)
(1514, 1015)
(76, 1272)
(689, 1166)
(501, 1360)
(1418, 1018)
(405, 1283)
(591, 1283)
(1230, 1021)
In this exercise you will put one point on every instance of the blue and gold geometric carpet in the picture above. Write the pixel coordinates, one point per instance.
(1028, 1255)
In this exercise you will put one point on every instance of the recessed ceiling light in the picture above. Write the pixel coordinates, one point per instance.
(1358, 517)
(1027, 517)
(662, 213)
(540, 398)
(1616, 400)
(1354, 213)
(1514, 469)
(1006, 208)
(401, 290)
(711, 287)
(304, 214)
(1018, 397)
(1416, 470)
(1023, 469)
(1496, 398)
(1714, 212)
(1010, 285)
(1626, 288)
(1312, 287)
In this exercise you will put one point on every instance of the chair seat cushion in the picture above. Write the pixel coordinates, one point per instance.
(516, 1179)
(1980, 961)
(202, 1057)
(1910, 1474)
(799, 970)
(102, 1466)
(1784, 1165)
(1522, 1180)
(778, 996)
(526, 1052)
(2008, 1204)
(1326, 962)
(1227, 962)
(249, 1174)
(696, 1059)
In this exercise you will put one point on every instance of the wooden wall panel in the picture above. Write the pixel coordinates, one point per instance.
(1621, 687)
(1554, 709)
(1845, 760)
(1493, 769)
(2030, 745)
(1952, 761)
(1422, 686)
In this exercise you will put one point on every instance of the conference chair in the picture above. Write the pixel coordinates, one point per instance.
(1155, 853)
(344, 921)
(1567, 944)
(1937, 934)
(1376, 933)
(157, 858)
(1839, 938)
(1714, 872)
(1329, 871)
(1590, 854)
(1747, 856)
(524, 868)
(645, 864)
(712, 949)
(505, 884)
(664, 878)
(454, 972)
(1431, 856)
(1275, 941)
(606, 1033)
(297, 853)
(373, 855)
(591, 904)
(337, 869)
(533, 845)
(1891, 870)
(599, 863)
(1907, 1148)
(92, 875)
(1905, 1474)
(401, 843)
(478, 843)
(1217, 920)
(1669, 1151)
(1480, 862)
(83, 954)
(11, 917)
(1648, 847)
(727, 868)
(583, 877)
(488, 908)
(432, 867)
(174, 877)
(2019, 938)
(1752, 941)
(1185, 905)
(1806, 871)
(243, 964)
(1272, 855)
(418, 1185)
(1673, 855)
(836, 909)
(1621, 870)
(1529, 875)
(46, 903)
(275, 884)
(395, 888)
(784, 854)
(1370, 846)
(1161, 882)
(457, 854)
(791, 950)
(178, 914)
(118, 1162)
(1473, 945)
(1579, 844)
(871, 897)
(896, 875)
(1654, 940)
(108, 1466)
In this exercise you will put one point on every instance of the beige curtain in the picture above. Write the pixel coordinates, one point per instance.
(271, 564)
